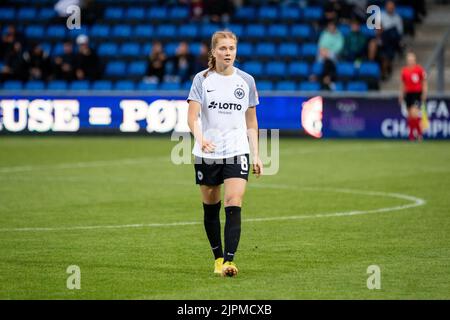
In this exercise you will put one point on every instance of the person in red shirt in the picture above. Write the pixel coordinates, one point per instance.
(413, 91)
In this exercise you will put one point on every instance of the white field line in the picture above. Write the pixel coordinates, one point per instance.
(413, 202)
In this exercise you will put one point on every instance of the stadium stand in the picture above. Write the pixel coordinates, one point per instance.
(278, 44)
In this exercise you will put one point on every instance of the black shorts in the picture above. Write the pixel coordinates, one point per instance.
(413, 99)
(213, 172)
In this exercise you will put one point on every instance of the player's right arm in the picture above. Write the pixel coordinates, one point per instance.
(193, 113)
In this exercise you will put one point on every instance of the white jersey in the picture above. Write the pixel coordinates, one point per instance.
(224, 101)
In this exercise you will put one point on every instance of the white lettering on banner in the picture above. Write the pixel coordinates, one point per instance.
(395, 128)
(437, 109)
(160, 115)
(66, 115)
(133, 111)
(9, 107)
(40, 115)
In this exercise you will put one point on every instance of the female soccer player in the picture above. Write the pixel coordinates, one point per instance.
(413, 91)
(226, 98)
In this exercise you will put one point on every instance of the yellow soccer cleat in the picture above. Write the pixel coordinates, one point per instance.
(229, 269)
(218, 265)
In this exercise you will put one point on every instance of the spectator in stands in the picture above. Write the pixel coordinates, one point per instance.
(355, 43)
(196, 8)
(378, 51)
(331, 43)
(15, 67)
(201, 62)
(334, 10)
(38, 63)
(9, 38)
(87, 63)
(392, 25)
(64, 64)
(183, 63)
(156, 63)
(218, 11)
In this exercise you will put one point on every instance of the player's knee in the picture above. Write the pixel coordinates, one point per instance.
(233, 200)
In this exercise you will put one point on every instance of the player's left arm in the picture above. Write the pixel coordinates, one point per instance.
(252, 133)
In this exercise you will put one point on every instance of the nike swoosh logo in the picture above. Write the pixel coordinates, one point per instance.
(210, 90)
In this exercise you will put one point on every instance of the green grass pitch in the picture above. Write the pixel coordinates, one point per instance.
(132, 222)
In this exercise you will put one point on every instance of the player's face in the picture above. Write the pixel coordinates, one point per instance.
(225, 52)
(411, 59)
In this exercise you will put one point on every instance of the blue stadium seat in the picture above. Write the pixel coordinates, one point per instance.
(245, 49)
(302, 31)
(56, 31)
(189, 31)
(264, 85)
(289, 13)
(130, 49)
(369, 69)
(276, 68)
(289, 49)
(107, 49)
(7, 14)
(309, 86)
(147, 48)
(12, 85)
(166, 31)
(137, 68)
(369, 33)
(124, 85)
(57, 85)
(144, 31)
(338, 86)
(309, 50)
(171, 48)
(73, 33)
(135, 13)
(286, 85)
(255, 31)
(179, 13)
(100, 31)
(317, 68)
(34, 85)
(245, 13)
(169, 86)
(268, 13)
(237, 29)
(79, 85)
(146, 86)
(121, 31)
(46, 14)
(345, 70)
(114, 13)
(278, 30)
(300, 69)
(312, 13)
(265, 49)
(27, 13)
(344, 29)
(157, 13)
(34, 31)
(255, 68)
(207, 30)
(47, 47)
(357, 86)
(406, 12)
(58, 49)
(194, 48)
(115, 68)
(102, 85)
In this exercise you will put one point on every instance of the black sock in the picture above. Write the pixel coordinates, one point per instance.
(232, 231)
(212, 227)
